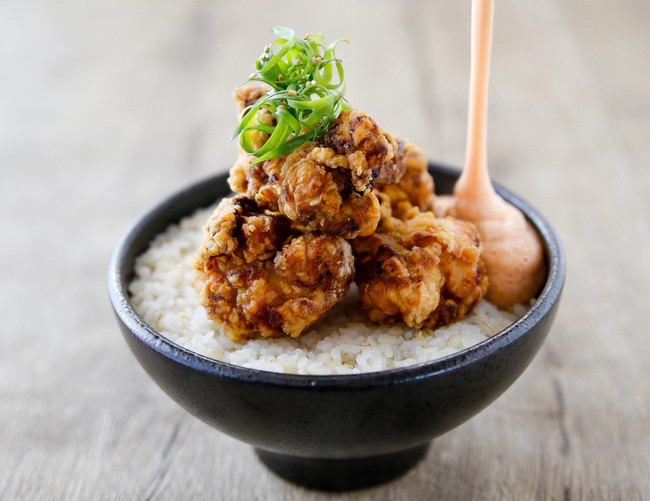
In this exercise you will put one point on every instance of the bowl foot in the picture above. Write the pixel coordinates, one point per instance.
(342, 474)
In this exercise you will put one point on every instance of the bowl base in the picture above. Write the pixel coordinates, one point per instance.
(342, 474)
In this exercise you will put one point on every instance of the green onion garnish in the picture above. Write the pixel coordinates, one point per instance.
(305, 96)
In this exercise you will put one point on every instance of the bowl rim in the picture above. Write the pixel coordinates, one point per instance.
(119, 297)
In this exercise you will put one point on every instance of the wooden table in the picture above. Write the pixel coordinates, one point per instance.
(106, 107)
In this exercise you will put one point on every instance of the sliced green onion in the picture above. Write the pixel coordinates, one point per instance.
(306, 94)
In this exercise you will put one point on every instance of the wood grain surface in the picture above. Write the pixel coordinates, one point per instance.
(108, 106)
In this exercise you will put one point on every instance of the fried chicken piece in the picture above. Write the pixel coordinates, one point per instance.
(256, 275)
(246, 96)
(325, 185)
(405, 182)
(422, 270)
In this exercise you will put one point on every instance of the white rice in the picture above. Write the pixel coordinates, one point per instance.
(344, 343)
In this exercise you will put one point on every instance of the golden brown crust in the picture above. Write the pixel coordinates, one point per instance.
(422, 270)
(325, 185)
(274, 259)
(257, 276)
(405, 182)
(248, 94)
(392, 171)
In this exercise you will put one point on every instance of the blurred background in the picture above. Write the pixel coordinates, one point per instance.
(107, 107)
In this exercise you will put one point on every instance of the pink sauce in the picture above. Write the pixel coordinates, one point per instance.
(512, 250)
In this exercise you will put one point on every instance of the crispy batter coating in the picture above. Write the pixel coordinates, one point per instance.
(248, 95)
(256, 275)
(327, 185)
(274, 260)
(422, 270)
(405, 182)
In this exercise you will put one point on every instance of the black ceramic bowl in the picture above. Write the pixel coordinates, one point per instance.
(332, 432)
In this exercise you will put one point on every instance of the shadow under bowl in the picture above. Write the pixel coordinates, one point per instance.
(332, 432)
